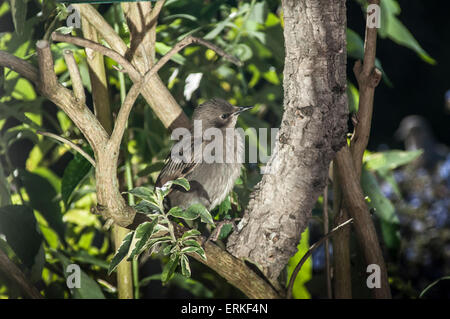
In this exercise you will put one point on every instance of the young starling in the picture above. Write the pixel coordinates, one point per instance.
(210, 181)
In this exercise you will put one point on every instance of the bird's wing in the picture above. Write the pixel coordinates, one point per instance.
(176, 167)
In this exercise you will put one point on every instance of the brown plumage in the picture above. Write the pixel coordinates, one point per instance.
(210, 182)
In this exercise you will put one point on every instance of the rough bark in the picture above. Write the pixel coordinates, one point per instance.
(313, 129)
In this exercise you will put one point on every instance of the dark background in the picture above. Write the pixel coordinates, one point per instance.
(418, 87)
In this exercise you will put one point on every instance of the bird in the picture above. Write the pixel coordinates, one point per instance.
(210, 182)
(416, 133)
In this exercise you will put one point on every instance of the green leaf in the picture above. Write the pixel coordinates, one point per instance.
(143, 193)
(84, 257)
(243, 52)
(169, 268)
(43, 198)
(168, 249)
(190, 234)
(159, 240)
(89, 289)
(185, 268)
(162, 49)
(64, 30)
(204, 214)
(299, 290)
(143, 232)
(19, 13)
(18, 225)
(353, 97)
(389, 160)
(191, 242)
(147, 207)
(121, 252)
(383, 209)
(195, 250)
(219, 27)
(185, 214)
(75, 172)
(183, 182)
(259, 12)
(225, 231)
(394, 29)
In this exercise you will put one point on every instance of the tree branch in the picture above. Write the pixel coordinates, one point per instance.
(47, 73)
(232, 269)
(69, 143)
(309, 252)
(122, 118)
(74, 108)
(20, 66)
(349, 161)
(99, 81)
(85, 43)
(155, 92)
(11, 270)
(77, 83)
(364, 227)
(368, 78)
(189, 40)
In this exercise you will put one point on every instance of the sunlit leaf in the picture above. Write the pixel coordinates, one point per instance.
(299, 290)
(191, 234)
(141, 236)
(170, 267)
(389, 160)
(121, 253)
(75, 172)
(185, 268)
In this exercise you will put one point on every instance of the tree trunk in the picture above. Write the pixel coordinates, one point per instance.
(313, 129)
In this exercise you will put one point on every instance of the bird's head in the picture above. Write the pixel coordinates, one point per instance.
(218, 113)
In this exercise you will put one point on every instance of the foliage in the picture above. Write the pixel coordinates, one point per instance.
(147, 235)
(47, 193)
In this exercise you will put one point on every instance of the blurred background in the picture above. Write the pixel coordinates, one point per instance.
(48, 191)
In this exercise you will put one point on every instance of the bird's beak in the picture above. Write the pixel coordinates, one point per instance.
(242, 109)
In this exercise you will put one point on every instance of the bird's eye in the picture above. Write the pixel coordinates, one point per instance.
(224, 116)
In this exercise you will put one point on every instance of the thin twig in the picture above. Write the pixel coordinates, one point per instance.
(184, 43)
(12, 271)
(122, 117)
(309, 252)
(116, 56)
(327, 242)
(69, 143)
(77, 83)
